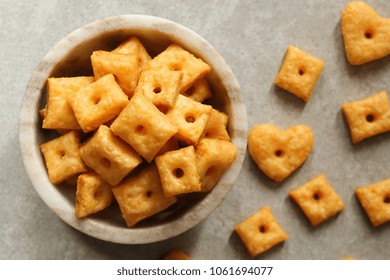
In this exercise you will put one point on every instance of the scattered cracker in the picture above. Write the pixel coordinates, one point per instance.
(366, 34)
(368, 117)
(299, 73)
(260, 232)
(279, 152)
(317, 199)
(375, 200)
(176, 254)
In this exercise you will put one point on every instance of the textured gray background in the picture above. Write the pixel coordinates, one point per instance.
(252, 36)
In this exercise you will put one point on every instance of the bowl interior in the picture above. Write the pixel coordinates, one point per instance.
(71, 57)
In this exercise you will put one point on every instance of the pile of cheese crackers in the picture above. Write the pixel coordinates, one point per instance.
(137, 132)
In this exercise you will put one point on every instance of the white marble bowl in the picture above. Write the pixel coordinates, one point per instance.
(71, 57)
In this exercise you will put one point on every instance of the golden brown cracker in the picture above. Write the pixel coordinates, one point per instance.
(178, 171)
(200, 91)
(63, 158)
(317, 199)
(213, 158)
(161, 86)
(260, 232)
(98, 103)
(134, 46)
(176, 254)
(299, 73)
(176, 58)
(190, 117)
(124, 67)
(279, 152)
(109, 156)
(375, 200)
(216, 126)
(93, 194)
(368, 117)
(366, 34)
(58, 113)
(141, 196)
(144, 127)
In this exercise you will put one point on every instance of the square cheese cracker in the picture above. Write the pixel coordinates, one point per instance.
(143, 126)
(98, 103)
(58, 113)
(62, 157)
(317, 199)
(375, 200)
(141, 196)
(93, 194)
(368, 117)
(260, 232)
(109, 156)
(176, 58)
(299, 73)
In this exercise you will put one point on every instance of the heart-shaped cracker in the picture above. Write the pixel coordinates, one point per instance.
(279, 152)
(366, 34)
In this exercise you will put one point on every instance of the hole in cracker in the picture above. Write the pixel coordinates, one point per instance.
(279, 153)
(301, 72)
(139, 128)
(262, 228)
(148, 194)
(105, 162)
(316, 196)
(387, 199)
(190, 91)
(370, 118)
(98, 194)
(157, 90)
(96, 100)
(163, 109)
(368, 34)
(211, 170)
(190, 119)
(178, 172)
(61, 154)
(175, 67)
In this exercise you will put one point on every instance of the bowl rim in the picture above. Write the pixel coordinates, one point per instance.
(29, 144)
